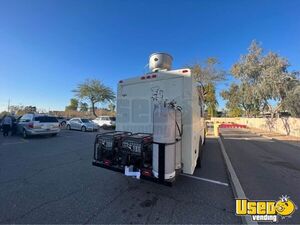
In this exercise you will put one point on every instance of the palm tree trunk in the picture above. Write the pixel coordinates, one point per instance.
(93, 108)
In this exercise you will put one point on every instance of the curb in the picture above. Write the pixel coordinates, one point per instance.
(234, 181)
(274, 139)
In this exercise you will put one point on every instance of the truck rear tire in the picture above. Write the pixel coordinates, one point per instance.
(200, 151)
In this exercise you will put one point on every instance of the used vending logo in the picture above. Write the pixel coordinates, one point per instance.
(266, 211)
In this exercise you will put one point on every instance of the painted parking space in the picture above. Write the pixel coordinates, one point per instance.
(51, 180)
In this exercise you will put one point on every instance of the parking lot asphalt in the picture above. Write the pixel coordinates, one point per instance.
(267, 169)
(52, 180)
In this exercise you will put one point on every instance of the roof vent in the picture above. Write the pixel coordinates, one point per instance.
(160, 61)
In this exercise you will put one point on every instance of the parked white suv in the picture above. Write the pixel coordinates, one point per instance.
(105, 121)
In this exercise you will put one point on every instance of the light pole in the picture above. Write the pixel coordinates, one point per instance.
(8, 105)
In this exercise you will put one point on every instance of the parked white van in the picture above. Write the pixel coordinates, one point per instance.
(31, 124)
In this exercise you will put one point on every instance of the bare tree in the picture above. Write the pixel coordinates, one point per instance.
(208, 74)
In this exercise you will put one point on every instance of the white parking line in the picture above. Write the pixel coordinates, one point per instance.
(13, 143)
(68, 136)
(205, 179)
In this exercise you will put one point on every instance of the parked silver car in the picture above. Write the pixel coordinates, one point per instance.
(81, 124)
(38, 124)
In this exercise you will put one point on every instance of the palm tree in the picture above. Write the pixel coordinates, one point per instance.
(95, 92)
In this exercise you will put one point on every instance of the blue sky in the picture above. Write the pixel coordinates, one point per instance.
(48, 47)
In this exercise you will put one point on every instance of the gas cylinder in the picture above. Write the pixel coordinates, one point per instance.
(164, 131)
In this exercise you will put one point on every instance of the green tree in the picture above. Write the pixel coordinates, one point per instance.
(95, 92)
(264, 79)
(292, 101)
(235, 112)
(111, 107)
(84, 107)
(241, 100)
(73, 104)
(210, 99)
(276, 82)
(208, 74)
(233, 103)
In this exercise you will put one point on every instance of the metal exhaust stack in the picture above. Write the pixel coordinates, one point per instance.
(160, 61)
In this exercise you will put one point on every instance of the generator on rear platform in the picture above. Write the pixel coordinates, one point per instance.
(107, 145)
(160, 118)
(137, 151)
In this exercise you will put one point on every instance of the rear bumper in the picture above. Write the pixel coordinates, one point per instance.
(108, 125)
(33, 132)
(101, 164)
(120, 170)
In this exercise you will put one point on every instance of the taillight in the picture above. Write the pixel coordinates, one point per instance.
(185, 71)
(107, 162)
(147, 173)
(148, 76)
(30, 125)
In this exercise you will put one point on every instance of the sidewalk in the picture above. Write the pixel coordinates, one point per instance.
(275, 136)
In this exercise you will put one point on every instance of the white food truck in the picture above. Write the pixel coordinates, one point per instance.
(160, 127)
